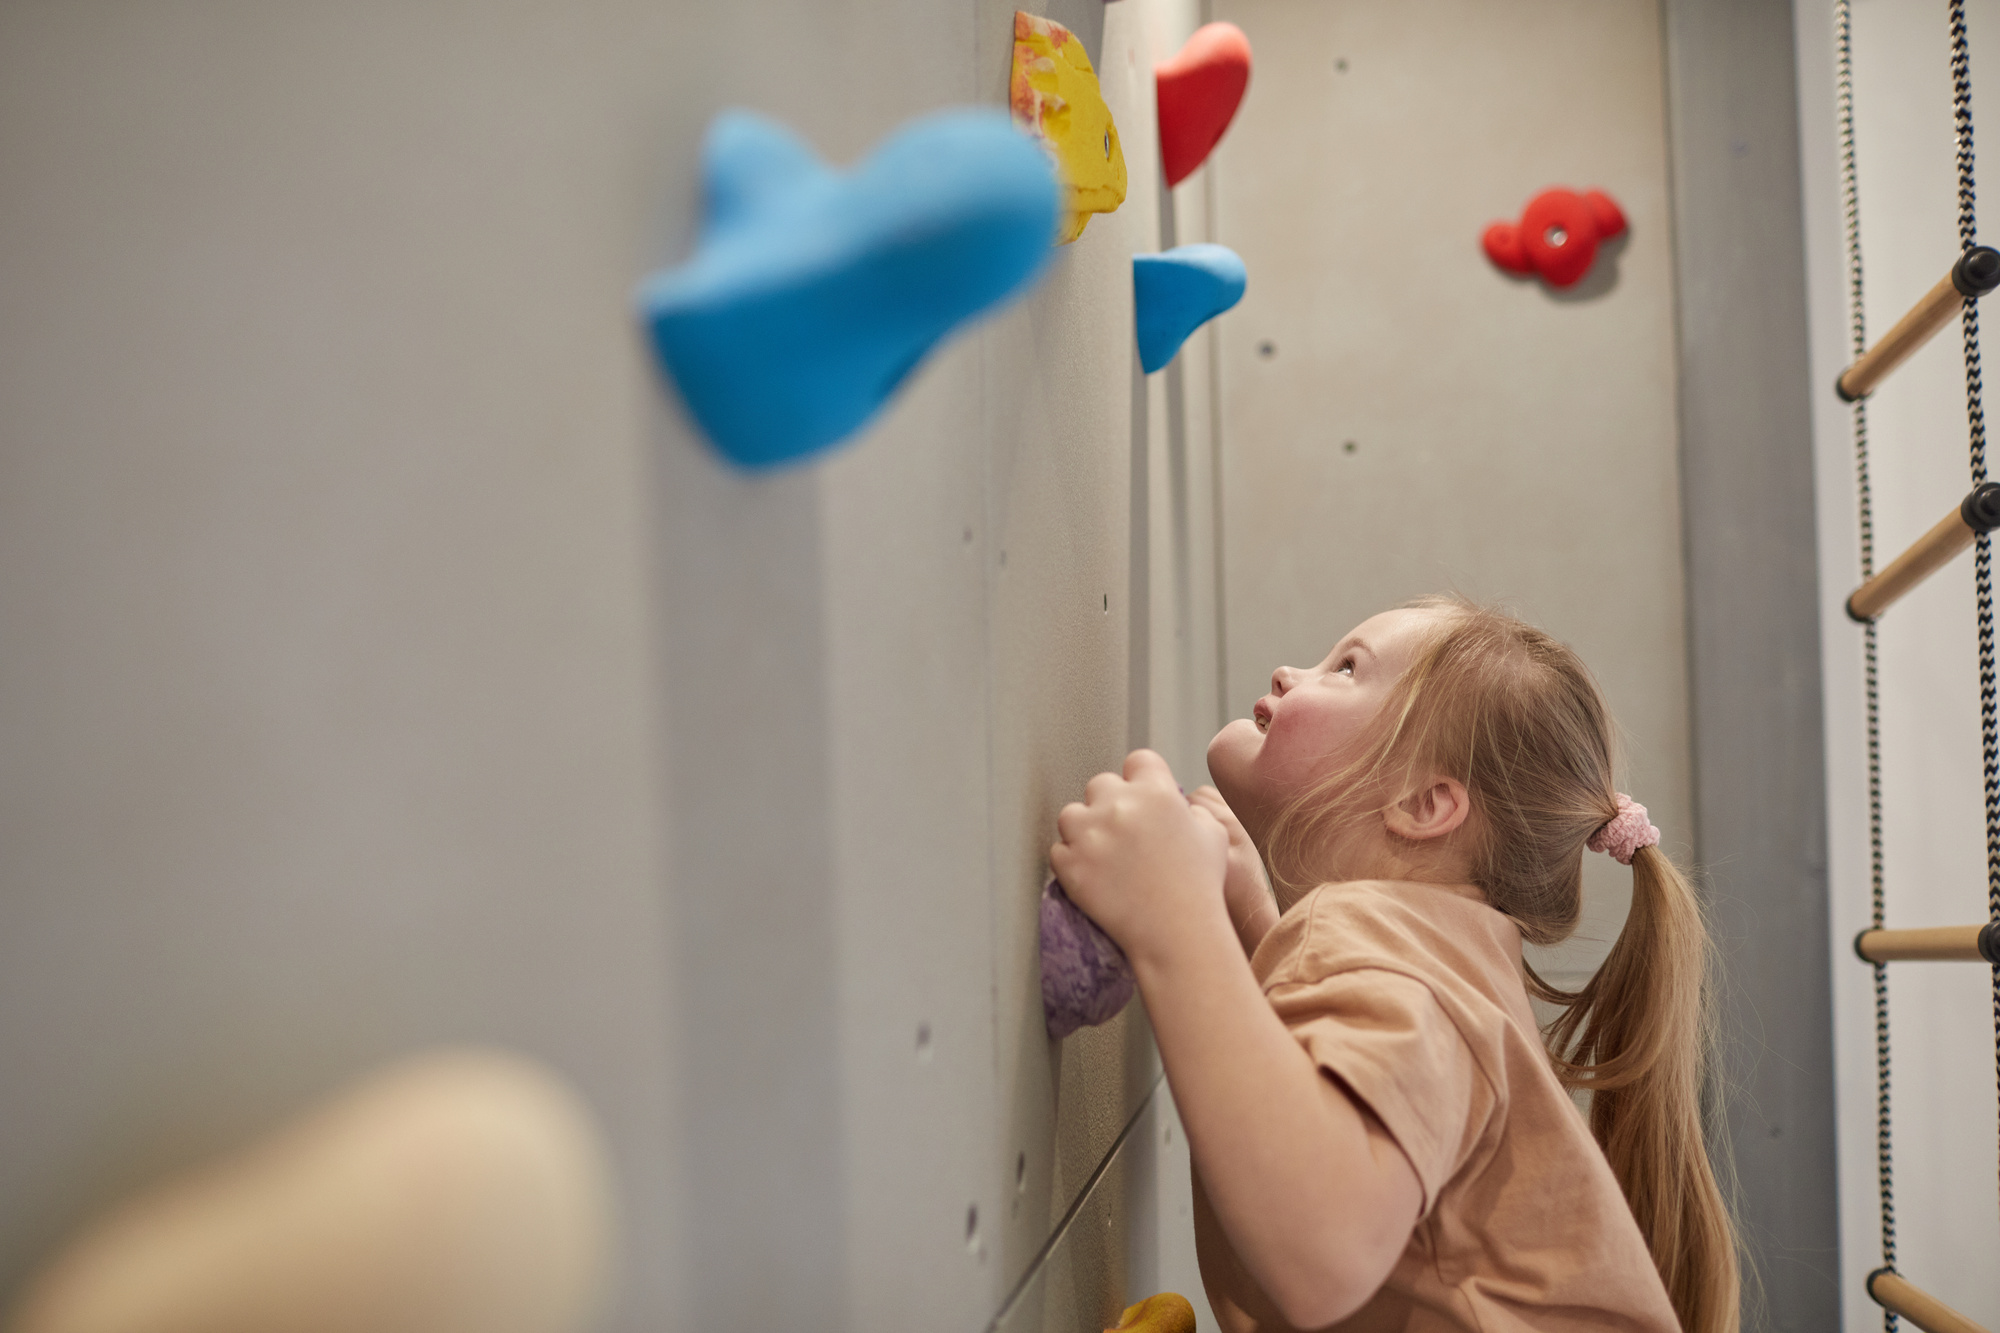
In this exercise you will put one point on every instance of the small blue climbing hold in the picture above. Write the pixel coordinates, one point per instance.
(812, 294)
(1176, 292)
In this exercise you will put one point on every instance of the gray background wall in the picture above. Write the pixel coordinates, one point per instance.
(1753, 630)
(1401, 417)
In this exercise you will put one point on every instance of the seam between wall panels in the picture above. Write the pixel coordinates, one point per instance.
(1083, 1195)
(989, 594)
(988, 581)
(1212, 354)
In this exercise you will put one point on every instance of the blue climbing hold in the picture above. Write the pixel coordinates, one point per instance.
(1176, 292)
(813, 294)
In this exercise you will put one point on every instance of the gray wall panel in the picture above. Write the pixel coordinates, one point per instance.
(328, 721)
(391, 663)
(1753, 625)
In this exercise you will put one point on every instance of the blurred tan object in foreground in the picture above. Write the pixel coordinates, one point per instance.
(1168, 1312)
(458, 1192)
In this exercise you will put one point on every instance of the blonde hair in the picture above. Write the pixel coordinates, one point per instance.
(1516, 717)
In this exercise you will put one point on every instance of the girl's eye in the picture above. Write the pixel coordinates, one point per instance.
(1346, 667)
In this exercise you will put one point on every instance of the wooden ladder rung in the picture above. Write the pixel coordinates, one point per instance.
(1978, 512)
(1893, 1293)
(1970, 944)
(1976, 273)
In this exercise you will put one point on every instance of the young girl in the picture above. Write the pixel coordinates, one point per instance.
(1380, 1138)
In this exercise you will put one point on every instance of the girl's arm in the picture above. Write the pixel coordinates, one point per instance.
(1315, 1197)
(1317, 1201)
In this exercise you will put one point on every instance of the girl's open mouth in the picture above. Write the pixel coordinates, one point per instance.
(1261, 715)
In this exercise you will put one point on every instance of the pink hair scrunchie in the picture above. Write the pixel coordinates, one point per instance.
(1628, 831)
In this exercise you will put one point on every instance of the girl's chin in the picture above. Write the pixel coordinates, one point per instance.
(1233, 750)
(1238, 735)
(1242, 726)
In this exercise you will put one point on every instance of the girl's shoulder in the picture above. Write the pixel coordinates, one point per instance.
(1403, 926)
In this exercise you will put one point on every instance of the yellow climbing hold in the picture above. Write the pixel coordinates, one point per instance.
(1167, 1312)
(1055, 98)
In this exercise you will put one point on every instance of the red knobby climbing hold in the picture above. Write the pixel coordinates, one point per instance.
(1557, 236)
(1199, 88)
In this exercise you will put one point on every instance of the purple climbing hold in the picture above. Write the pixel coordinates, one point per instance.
(1086, 979)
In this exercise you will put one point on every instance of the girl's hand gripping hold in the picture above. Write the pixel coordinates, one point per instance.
(1140, 859)
(1268, 1131)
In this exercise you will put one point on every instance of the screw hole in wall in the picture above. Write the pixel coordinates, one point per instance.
(972, 1228)
(923, 1041)
(1267, 350)
(1020, 1171)
(1348, 446)
(1107, 603)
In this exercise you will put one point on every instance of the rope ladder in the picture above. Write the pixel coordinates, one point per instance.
(1974, 275)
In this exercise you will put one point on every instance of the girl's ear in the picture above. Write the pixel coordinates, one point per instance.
(1430, 811)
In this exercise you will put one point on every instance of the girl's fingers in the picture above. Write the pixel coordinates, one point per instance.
(1207, 821)
(1209, 799)
(1070, 821)
(1146, 764)
(1101, 787)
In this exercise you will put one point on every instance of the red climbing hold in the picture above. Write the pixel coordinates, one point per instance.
(1557, 235)
(1199, 88)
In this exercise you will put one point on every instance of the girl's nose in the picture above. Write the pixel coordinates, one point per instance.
(1281, 680)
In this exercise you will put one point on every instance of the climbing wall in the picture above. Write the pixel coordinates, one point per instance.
(390, 663)
(1400, 418)
(1940, 1013)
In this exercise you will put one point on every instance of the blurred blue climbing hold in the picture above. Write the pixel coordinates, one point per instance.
(1179, 290)
(812, 294)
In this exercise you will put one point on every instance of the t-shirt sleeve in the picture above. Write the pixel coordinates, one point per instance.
(1385, 1036)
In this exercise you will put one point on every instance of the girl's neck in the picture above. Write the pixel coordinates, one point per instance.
(1376, 854)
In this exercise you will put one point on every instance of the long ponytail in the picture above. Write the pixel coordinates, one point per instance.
(1515, 715)
(1637, 1037)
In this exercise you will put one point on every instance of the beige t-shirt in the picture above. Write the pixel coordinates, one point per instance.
(1411, 995)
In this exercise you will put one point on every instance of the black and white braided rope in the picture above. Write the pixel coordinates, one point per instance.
(1850, 199)
(1975, 413)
